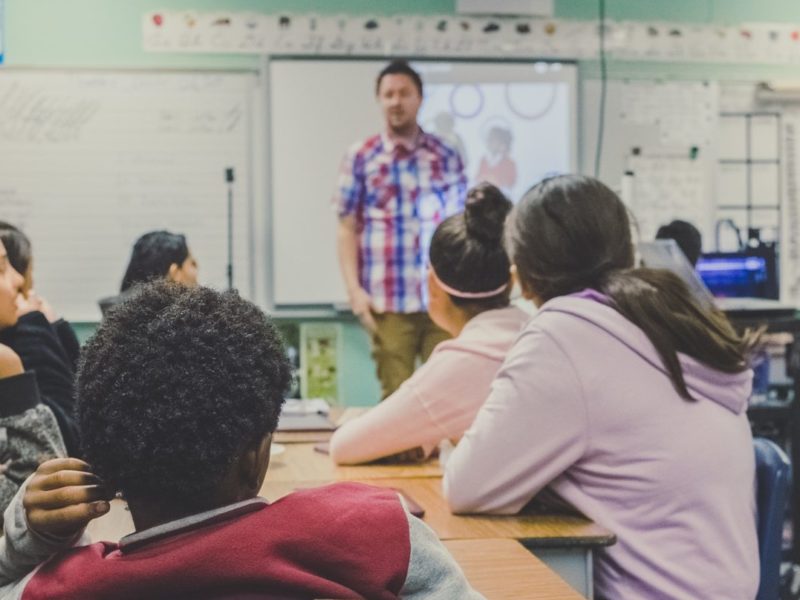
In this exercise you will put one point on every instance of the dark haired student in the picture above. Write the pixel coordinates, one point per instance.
(28, 431)
(178, 395)
(155, 255)
(686, 235)
(469, 285)
(45, 343)
(393, 190)
(627, 399)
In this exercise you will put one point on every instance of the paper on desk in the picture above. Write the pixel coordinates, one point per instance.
(308, 406)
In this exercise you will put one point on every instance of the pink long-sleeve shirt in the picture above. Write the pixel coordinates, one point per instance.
(582, 404)
(440, 400)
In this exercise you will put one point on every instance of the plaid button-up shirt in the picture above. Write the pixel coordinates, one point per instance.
(399, 196)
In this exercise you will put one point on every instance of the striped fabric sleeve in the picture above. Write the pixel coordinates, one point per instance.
(350, 186)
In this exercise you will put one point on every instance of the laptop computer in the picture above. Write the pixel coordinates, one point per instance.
(665, 254)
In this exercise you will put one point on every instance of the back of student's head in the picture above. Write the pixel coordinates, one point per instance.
(18, 247)
(152, 255)
(570, 233)
(686, 235)
(174, 386)
(467, 253)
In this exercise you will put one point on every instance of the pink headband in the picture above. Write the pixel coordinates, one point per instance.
(466, 295)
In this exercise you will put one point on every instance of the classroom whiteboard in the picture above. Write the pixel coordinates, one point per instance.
(91, 160)
(319, 108)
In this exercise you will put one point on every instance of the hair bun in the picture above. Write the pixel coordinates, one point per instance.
(485, 212)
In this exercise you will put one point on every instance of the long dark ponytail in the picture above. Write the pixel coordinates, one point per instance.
(569, 233)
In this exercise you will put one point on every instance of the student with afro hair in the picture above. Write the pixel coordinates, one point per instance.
(178, 394)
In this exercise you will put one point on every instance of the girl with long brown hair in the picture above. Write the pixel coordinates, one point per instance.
(626, 398)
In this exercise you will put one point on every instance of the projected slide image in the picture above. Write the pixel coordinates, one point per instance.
(511, 134)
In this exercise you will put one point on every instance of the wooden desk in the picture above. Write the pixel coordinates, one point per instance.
(339, 415)
(564, 542)
(503, 569)
(536, 530)
(301, 463)
(498, 568)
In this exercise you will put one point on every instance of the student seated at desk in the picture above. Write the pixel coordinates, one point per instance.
(626, 398)
(178, 395)
(28, 430)
(686, 235)
(45, 343)
(469, 285)
(156, 255)
(20, 255)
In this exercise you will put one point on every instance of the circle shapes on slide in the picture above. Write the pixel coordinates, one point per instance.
(530, 102)
(466, 101)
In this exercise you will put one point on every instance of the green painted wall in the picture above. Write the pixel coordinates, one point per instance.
(107, 34)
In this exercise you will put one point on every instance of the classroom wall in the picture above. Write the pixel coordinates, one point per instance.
(106, 34)
(102, 33)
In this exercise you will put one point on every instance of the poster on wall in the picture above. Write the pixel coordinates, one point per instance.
(319, 361)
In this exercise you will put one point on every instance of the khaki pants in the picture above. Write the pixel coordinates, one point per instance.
(399, 339)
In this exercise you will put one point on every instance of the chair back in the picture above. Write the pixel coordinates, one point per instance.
(773, 479)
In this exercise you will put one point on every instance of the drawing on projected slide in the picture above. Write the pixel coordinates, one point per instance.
(444, 126)
(497, 167)
(510, 134)
(466, 101)
(524, 113)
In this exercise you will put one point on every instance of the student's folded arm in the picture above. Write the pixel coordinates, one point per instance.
(432, 571)
(399, 423)
(69, 341)
(37, 344)
(29, 433)
(530, 430)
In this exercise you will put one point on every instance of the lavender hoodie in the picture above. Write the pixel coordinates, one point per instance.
(582, 404)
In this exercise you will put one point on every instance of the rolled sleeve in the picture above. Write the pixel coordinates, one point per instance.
(350, 186)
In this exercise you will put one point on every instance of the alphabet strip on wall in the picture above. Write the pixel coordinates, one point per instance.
(458, 36)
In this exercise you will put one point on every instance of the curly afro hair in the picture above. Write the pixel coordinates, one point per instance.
(174, 385)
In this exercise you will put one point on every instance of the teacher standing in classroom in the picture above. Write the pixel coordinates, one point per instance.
(394, 189)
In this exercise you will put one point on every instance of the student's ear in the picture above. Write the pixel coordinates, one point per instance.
(174, 273)
(27, 284)
(253, 465)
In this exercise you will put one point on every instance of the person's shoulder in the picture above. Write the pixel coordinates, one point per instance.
(439, 145)
(346, 511)
(366, 147)
(345, 496)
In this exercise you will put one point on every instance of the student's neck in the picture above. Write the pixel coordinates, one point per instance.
(147, 514)
(457, 320)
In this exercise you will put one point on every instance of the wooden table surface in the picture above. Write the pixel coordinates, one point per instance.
(504, 570)
(300, 462)
(498, 568)
(537, 530)
(338, 414)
